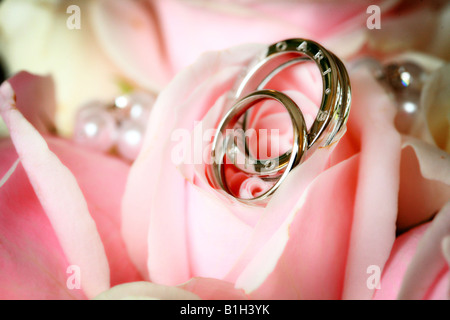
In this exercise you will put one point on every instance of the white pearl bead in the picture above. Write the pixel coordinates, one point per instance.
(406, 76)
(408, 111)
(406, 81)
(95, 127)
(136, 105)
(130, 136)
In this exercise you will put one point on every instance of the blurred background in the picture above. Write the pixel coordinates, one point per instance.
(122, 45)
(2, 73)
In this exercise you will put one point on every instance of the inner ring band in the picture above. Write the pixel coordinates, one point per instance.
(221, 142)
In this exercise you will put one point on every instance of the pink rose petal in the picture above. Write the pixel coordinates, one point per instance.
(305, 258)
(429, 260)
(130, 35)
(375, 211)
(102, 180)
(35, 99)
(424, 182)
(401, 255)
(439, 290)
(66, 207)
(32, 261)
(279, 213)
(212, 225)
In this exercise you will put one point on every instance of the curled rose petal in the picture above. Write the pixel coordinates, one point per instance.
(375, 210)
(17, 196)
(424, 182)
(429, 260)
(418, 267)
(91, 169)
(65, 207)
(33, 263)
(35, 99)
(253, 187)
(102, 180)
(296, 256)
(401, 255)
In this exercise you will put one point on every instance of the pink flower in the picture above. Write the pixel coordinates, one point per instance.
(78, 224)
(334, 217)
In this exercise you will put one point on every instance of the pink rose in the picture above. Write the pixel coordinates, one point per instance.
(313, 238)
(78, 224)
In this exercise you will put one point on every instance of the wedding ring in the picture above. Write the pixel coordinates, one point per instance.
(327, 128)
(223, 137)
